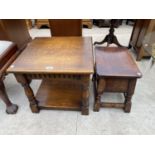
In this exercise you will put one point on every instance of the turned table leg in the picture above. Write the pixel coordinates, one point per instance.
(10, 107)
(129, 94)
(28, 91)
(85, 96)
(99, 91)
(85, 100)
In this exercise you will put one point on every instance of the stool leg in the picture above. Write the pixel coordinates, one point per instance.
(10, 108)
(129, 94)
(128, 103)
(98, 92)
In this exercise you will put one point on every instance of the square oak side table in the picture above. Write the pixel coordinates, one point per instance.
(64, 64)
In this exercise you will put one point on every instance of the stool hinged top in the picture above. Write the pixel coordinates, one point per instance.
(115, 62)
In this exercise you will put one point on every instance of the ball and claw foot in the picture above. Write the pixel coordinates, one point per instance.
(12, 109)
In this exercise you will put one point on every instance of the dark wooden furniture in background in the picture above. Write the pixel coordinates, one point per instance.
(3, 33)
(60, 62)
(29, 23)
(110, 38)
(45, 22)
(42, 22)
(130, 21)
(15, 30)
(106, 22)
(8, 51)
(88, 23)
(141, 28)
(65, 27)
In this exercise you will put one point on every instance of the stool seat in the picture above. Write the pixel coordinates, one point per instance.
(115, 62)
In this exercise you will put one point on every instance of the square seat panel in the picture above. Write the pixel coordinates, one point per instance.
(115, 62)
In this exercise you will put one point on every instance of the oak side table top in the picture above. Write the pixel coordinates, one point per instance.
(56, 55)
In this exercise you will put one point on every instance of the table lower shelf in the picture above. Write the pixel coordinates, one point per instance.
(63, 95)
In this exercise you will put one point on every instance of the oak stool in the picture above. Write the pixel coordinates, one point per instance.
(116, 71)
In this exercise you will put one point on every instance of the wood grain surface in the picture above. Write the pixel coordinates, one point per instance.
(115, 62)
(56, 55)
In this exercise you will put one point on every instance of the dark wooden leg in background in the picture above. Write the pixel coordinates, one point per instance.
(140, 54)
(28, 91)
(99, 91)
(129, 46)
(129, 94)
(10, 107)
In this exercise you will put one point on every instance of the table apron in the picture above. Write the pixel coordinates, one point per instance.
(84, 79)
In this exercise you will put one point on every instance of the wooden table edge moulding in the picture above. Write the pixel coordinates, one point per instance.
(60, 88)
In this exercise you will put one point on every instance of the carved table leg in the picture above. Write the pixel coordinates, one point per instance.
(100, 89)
(28, 91)
(129, 94)
(10, 107)
(85, 98)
